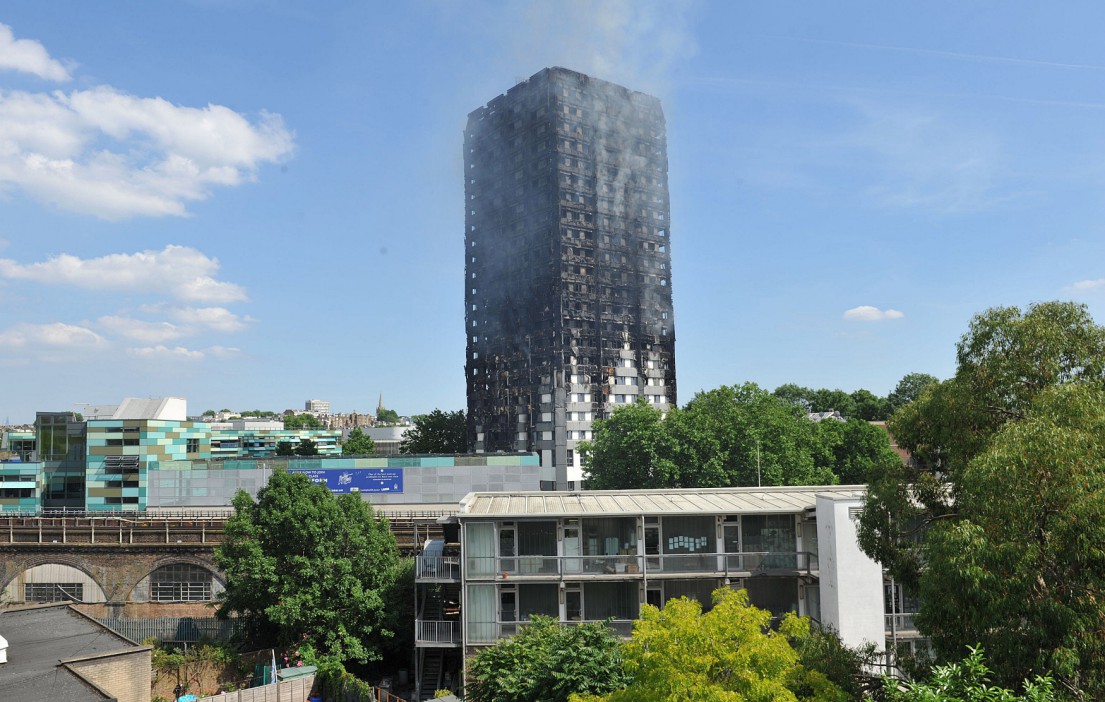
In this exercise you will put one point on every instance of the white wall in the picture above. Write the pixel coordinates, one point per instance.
(851, 583)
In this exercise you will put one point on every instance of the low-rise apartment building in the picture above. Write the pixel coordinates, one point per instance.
(601, 555)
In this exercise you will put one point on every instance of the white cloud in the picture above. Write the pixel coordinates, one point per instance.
(56, 334)
(216, 318)
(28, 56)
(866, 313)
(928, 161)
(113, 155)
(1084, 286)
(224, 352)
(165, 353)
(179, 271)
(141, 330)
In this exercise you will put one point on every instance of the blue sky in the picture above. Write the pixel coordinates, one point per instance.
(252, 203)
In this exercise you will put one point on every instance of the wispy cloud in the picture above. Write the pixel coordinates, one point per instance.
(867, 313)
(141, 330)
(961, 56)
(161, 352)
(214, 318)
(28, 56)
(928, 162)
(178, 271)
(113, 155)
(56, 334)
(1087, 286)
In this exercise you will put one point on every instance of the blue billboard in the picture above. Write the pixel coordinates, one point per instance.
(346, 480)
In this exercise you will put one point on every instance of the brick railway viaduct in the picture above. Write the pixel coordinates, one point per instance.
(117, 552)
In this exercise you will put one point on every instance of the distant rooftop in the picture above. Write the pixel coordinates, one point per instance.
(171, 408)
(741, 500)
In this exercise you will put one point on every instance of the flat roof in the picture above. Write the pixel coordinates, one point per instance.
(39, 639)
(740, 500)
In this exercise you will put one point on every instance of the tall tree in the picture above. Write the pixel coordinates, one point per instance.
(1001, 455)
(305, 566)
(358, 444)
(1005, 359)
(547, 662)
(743, 435)
(306, 447)
(796, 395)
(1021, 569)
(301, 421)
(436, 432)
(731, 653)
(729, 436)
(868, 406)
(853, 450)
(908, 389)
(387, 416)
(826, 400)
(630, 449)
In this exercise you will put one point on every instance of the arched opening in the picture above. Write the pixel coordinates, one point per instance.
(53, 582)
(178, 582)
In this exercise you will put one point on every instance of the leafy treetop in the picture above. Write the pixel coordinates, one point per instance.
(436, 432)
(728, 654)
(305, 566)
(547, 662)
(358, 444)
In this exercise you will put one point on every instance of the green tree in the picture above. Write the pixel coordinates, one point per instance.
(1005, 359)
(547, 662)
(1021, 569)
(301, 421)
(861, 404)
(967, 681)
(285, 448)
(358, 444)
(1007, 460)
(436, 432)
(744, 435)
(387, 416)
(825, 400)
(795, 395)
(306, 447)
(630, 449)
(853, 450)
(729, 436)
(729, 654)
(908, 389)
(305, 566)
(868, 406)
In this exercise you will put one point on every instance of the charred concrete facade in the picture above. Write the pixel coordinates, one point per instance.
(568, 294)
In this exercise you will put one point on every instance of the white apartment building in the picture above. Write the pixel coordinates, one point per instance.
(600, 555)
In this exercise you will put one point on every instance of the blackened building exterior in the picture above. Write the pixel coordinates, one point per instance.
(568, 303)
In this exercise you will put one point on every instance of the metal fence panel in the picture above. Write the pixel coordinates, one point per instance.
(172, 629)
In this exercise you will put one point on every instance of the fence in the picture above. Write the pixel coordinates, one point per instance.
(295, 690)
(172, 629)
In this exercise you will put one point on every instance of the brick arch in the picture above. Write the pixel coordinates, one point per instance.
(173, 559)
(23, 565)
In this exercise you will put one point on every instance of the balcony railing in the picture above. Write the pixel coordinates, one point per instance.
(437, 568)
(427, 631)
(901, 623)
(717, 564)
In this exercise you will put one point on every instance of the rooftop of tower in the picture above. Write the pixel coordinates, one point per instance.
(559, 72)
